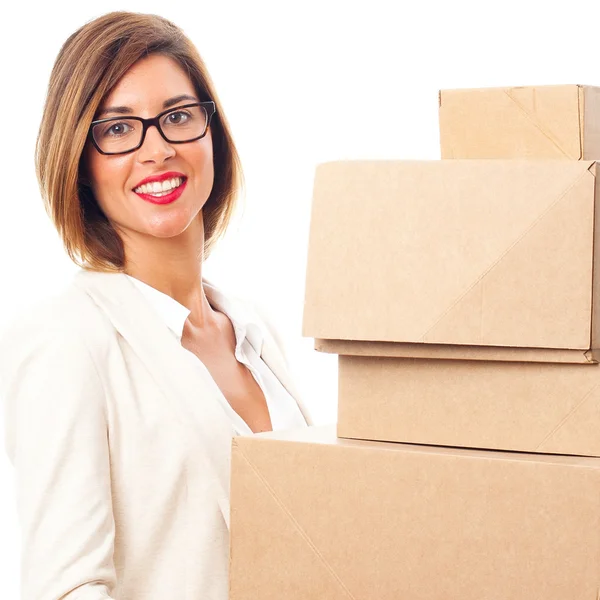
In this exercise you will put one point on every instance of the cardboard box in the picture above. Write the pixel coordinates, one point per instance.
(554, 121)
(313, 516)
(527, 407)
(464, 252)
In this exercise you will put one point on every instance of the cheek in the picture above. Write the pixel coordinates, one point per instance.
(201, 157)
(108, 176)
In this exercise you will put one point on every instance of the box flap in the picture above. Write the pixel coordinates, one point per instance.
(251, 446)
(455, 352)
(474, 252)
(515, 122)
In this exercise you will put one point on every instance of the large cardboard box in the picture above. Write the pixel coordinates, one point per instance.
(313, 516)
(554, 121)
(527, 407)
(464, 253)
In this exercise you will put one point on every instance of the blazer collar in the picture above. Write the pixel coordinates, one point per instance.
(175, 314)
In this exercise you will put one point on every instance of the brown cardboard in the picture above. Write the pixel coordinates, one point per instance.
(525, 407)
(313, 516)
(553, 121)
(446, 351)
(464, 252)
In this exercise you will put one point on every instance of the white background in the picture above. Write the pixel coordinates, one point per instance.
(301, 83)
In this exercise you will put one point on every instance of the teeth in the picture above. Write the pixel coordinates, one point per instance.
(159, 194)
(159, 188)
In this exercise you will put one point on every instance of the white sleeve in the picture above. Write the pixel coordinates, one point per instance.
(57, 439)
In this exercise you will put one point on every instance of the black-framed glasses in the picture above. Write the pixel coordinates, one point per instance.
(179, 125)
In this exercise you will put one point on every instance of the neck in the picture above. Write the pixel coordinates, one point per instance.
(173, 266)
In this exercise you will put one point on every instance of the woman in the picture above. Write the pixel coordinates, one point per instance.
(123, 392)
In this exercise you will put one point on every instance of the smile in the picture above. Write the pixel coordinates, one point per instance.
(159, 188)
(163, 192)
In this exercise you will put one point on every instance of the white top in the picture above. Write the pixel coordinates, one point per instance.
(283, 409)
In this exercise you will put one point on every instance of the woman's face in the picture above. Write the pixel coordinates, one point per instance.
(145, 89)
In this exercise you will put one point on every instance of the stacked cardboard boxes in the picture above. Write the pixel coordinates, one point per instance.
(463, 299)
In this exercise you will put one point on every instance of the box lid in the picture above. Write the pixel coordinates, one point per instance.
(536, 122)
(474, 252)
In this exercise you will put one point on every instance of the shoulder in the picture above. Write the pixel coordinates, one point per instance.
(49, 372)
(68, 319)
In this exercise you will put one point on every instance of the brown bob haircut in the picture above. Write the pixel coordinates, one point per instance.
(88, 66)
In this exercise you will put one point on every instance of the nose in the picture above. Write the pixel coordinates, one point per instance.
(155, 148)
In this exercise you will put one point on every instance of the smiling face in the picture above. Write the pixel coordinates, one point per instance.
(147, 89)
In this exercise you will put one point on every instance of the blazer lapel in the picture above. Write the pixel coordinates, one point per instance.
(270, 352)
(194, 398)
(275, 361)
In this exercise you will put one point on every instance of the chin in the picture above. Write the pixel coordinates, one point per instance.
(170, 225)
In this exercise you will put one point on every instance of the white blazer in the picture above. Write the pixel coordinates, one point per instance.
(120, 446)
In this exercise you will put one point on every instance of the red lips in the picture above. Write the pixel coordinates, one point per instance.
(167, 198)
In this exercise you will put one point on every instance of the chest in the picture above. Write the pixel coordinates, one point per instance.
(234, 379)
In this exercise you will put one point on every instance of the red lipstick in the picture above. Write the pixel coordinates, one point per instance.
(167, 198)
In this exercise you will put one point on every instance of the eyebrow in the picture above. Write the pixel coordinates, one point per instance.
(126, 110)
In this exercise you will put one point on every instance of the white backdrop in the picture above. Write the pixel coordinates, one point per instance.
(301, 83)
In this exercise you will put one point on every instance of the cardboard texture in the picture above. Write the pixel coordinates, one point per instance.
(313, 516)
(526, 407)
(555, 121)
(466, 253)
(447, 351)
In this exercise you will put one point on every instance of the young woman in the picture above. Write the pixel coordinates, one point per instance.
(122, 393)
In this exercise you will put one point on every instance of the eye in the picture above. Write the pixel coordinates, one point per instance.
(178, 117)
(117, 129)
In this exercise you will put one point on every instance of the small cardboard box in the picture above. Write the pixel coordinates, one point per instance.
(313, 516)
(552, 121)
(464, 253)
(526, 407)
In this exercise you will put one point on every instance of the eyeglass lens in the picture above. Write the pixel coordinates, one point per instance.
(123, 134)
